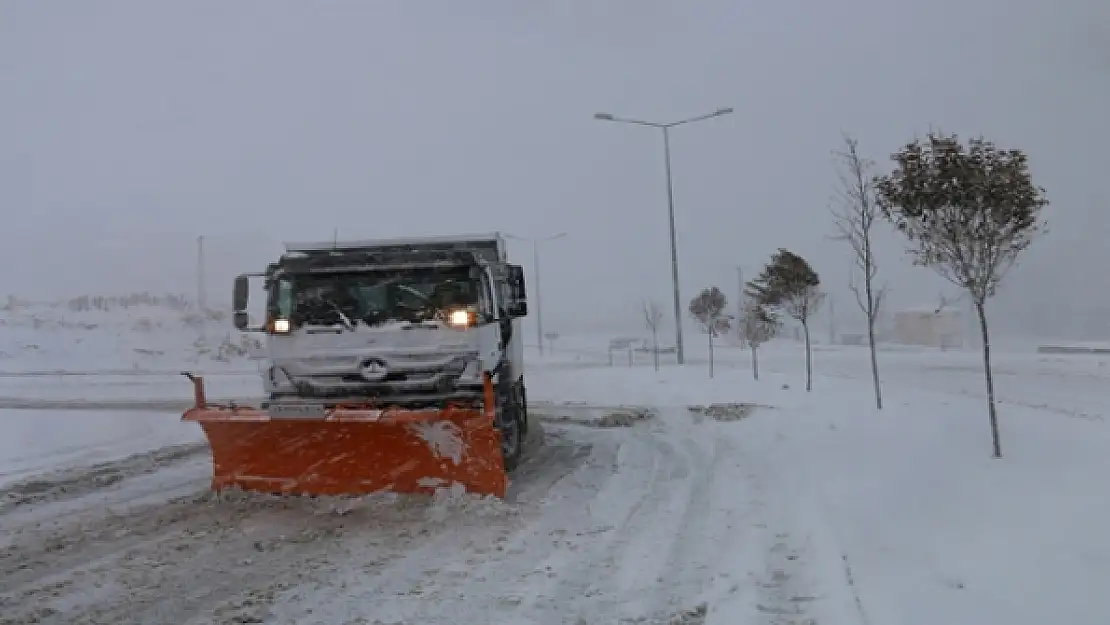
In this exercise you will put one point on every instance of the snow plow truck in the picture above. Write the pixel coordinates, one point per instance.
(389, 365)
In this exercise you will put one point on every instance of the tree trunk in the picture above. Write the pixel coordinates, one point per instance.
(655, 347)
(992, 411)
(875, 366)
(871, 343)
(710, 354)
(809, 358)
(755, 360)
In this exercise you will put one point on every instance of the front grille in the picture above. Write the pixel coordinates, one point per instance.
(393, 376)
(411, 374)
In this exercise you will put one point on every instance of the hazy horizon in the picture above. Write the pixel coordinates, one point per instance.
(128, 129)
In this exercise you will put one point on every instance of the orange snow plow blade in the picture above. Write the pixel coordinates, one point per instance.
(353, 450)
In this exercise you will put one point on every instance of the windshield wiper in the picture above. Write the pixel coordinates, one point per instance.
(344, 320)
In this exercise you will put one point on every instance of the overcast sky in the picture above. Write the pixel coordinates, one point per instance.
(127, 129)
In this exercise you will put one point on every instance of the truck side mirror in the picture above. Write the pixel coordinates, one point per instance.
(241, 320)
(518, 293)
(240, 294)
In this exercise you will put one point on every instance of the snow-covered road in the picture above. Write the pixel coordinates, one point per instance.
(636, 519)
(630, 533)
(767, 506)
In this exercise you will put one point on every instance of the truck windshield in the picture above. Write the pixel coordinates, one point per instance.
(374, 298)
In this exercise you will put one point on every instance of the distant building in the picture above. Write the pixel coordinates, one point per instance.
(943, 328)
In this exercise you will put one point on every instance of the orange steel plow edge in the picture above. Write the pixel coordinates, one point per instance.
(353, 450)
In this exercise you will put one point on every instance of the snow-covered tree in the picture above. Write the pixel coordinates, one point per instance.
(709, 310)
(789, 284)
(757, 325)
(969, 212)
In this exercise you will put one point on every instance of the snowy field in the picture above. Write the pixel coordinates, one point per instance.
(127, 337)
(731, 501)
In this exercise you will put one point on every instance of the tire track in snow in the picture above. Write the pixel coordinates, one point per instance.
(609, 541)
(75, 482)
(668, 547)
(593, 575)
(476, 570)
(653, 552)
(225, 557)
(712, 524)
(783, 590)
(119, 568)
(801, 580)
(454, 547)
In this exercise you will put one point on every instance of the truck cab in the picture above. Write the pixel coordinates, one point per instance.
(409, 322)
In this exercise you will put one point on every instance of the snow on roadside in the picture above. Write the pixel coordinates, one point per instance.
(150, 333)
(902, 516)
(906, 519)
(36, 442)
(937, 531)
(120, 387)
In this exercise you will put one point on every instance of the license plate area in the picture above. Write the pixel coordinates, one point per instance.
(297, 411)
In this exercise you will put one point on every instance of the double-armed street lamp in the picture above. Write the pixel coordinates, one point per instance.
(665, 127)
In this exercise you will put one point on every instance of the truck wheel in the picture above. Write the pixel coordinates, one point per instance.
(510, 416)
(524, 421)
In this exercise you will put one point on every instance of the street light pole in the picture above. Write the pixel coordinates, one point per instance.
(536, 271)
(676, 298)
(539, 294)
(740, 305)
(608, 117)
(202, 299)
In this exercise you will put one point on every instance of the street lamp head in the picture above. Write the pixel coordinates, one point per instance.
(724, 111)
(552, 237)
(607, 117)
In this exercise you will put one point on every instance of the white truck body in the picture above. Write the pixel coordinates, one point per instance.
(414, 362)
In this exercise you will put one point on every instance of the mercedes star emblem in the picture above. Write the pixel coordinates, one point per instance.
(373, 370)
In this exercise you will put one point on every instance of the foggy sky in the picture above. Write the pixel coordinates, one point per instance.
(127, 129)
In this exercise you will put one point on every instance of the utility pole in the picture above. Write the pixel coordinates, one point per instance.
(740, 305)
(609, 117)
(539, 294)
(202, 301)
(680, 350)
(832, 321)
(536, 274)
(201, 304)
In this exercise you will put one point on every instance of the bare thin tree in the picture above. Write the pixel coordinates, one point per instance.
(968, 212)
(855, 211)
(653, 316)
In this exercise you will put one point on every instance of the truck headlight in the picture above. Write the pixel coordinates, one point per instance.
(461, 318)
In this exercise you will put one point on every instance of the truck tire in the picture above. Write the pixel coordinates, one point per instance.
(510, 416)
(524, 420)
